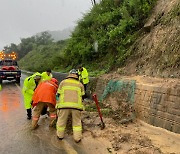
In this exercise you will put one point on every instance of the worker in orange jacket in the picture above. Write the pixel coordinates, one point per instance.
(45, 94)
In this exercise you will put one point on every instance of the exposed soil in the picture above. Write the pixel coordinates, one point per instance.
(132, 138)
(145, 79)
(157, 51)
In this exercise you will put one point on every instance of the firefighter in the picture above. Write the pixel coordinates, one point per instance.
(47, 75)
(71, 91)
(45, 95)
(30, 84)
(83, 76)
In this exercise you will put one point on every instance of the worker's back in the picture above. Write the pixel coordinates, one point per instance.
(45, 92)
(71, 92)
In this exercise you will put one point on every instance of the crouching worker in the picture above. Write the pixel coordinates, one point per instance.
(45, 94)
(30, 84)
(71, 91)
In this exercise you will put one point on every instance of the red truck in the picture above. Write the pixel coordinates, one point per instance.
(9, 69)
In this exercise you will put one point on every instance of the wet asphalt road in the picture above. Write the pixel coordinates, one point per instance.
(16, 136)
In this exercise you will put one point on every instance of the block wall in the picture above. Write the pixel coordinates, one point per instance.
(156, 104)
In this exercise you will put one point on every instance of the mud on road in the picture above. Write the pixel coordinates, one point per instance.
(133, 138)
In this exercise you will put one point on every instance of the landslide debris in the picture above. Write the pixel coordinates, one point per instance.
(157, 50)
(125, 138)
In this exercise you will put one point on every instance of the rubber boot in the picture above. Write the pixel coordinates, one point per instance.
(29, 114)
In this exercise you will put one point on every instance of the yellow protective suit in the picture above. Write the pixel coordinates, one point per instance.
(83, 76)
(45, 76)
(28, 90)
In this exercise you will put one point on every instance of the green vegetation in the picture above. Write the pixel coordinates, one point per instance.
(28, 44)
(42, 57)
(112, 25)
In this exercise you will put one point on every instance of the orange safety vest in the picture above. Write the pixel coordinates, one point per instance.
(45, 92)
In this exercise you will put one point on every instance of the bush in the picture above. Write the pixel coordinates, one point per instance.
(113, 27)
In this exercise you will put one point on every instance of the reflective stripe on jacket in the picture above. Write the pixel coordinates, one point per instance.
(83, 76)
(45, 92)
(71, 92)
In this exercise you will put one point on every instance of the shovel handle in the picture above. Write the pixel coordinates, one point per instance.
(97, 105)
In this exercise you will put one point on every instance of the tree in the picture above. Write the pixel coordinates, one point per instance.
(44, 38)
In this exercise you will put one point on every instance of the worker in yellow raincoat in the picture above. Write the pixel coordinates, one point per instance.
(30, 84)
(47, 75)
(83, 76)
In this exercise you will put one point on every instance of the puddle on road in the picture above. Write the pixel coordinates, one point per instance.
(10, 98)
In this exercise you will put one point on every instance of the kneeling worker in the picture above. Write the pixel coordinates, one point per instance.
(71, 91)
(45, 94)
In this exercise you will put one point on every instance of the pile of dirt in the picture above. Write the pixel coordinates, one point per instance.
(122, 110)
(126, 138)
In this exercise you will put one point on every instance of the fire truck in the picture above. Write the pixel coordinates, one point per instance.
(9, 69)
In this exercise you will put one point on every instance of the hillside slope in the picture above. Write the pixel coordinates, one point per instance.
(132, 37)
(157, 51)
(102, 38)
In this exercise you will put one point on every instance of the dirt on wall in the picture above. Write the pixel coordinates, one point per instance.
(131, 137)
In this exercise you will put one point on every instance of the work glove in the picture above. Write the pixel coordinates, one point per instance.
(57, 96)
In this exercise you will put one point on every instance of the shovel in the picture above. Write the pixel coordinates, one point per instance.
(99, 110)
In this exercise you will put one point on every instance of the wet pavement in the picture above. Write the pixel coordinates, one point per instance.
(16, 136)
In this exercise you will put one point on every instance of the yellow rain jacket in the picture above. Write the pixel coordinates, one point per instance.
(45, 76)
(83, 76)
(28, 90)
(71, 92)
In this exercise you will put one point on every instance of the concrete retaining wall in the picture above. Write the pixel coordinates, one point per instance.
(156, 104)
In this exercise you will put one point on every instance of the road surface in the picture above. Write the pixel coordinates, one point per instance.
(16, 136)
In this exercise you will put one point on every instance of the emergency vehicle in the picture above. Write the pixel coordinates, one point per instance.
(9, 69)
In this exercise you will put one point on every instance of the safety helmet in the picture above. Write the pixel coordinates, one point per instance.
(73, 74)
(73, 71)
(54, 80)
